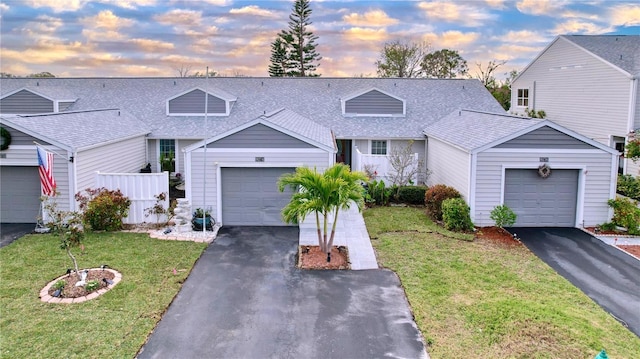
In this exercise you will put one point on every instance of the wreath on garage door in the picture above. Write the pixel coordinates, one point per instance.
(544, 171)
(6, 138)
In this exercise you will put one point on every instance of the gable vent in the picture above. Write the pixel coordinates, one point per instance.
(193, 102)
(374, 103)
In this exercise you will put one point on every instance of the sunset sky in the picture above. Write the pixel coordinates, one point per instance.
(82, 38)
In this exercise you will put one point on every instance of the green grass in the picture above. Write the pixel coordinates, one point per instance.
(114, 325)
(474, 299)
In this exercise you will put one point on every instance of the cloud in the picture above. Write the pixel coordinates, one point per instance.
(106, 20)
(366, 34)
(498, 4)
(376, 18)
(4, 7)
(180, 17)
(129, 4)
(522, 36)
(625, 15)
(454, 40)
(44, 27)
(45, 52)
(252, 10)
(461, 13)
(152, 45)
(579, 27)
(57, 5)
(540, 7)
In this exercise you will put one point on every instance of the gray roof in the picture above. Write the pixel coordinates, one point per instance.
(471, 130)
(302, 126)
(622, 51)
(55, 93)
(79, 130)
(317, 99)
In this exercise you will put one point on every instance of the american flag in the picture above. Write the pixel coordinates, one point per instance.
(45, 163)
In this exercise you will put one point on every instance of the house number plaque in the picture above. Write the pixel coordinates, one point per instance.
(544, 159)
(259, 159)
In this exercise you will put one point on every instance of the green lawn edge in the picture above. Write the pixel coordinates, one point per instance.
(114, 325)
(475, 299)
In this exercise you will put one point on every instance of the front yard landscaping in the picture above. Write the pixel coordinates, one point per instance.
(114, 325)
(482, 299)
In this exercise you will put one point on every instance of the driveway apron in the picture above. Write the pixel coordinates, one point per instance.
(9, 232)
(609, 276)
(245, 299)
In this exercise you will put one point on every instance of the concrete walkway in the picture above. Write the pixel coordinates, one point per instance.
(350, 232)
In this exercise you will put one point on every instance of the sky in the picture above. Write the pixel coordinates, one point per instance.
(143, 38)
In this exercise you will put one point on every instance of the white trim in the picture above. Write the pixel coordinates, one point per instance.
(582, 170)
(222, 96)
(343, 102)
(218, 192)
(473, 168)
(188, 191)
(613, 183)
(388, 146)
(262, 150)
(632, 105)
(261, 164)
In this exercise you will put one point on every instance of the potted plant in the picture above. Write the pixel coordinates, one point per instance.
(202, 216)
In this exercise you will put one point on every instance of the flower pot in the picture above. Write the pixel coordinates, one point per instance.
(196, 223)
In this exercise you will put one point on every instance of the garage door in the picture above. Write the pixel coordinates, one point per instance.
(250, 196)
(542, 202)
(19, 194)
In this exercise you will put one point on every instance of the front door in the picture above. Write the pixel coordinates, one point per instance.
(344, 151)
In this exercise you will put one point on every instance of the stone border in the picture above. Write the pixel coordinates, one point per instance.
(45, 297)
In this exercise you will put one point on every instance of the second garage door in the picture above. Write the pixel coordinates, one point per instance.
(20, 194)
(250, 196)
(542, 202)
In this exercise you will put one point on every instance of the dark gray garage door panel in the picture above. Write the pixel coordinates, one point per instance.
(19, 194)
(542, 202)
(250, 196)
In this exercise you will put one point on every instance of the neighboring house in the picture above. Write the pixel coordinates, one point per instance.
(588, 84)
(232, 138)
(83, 142)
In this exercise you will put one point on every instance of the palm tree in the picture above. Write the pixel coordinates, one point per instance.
(322, 193)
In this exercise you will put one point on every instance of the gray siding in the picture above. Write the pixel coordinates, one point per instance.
(193, 102)
(259, 136)
(595, 187)
(25, 102)
(121, 157)
(577, 91)
(374, 102)
(449, 166)
(63, 106)
(19, 138)
(545, 137)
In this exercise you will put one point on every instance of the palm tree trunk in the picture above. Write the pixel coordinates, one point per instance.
(319, 231)
(324, 235)
(333, 230)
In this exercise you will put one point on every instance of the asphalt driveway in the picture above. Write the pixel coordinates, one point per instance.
(9, 232)
(609, 276)
(245, 299)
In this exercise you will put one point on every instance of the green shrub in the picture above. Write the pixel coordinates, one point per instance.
(629, 186)
(103, 209)
(411, 194)
(60, 284)
(92, 285)
(434, 197)
(378, 193)
(503, 216)
(456, 215)
(626, 214)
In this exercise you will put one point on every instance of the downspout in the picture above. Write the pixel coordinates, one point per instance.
(631, 126)
(533, 97)
(73, 185)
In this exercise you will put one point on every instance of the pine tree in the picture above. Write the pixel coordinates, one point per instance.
(279, 64)
(301, 57)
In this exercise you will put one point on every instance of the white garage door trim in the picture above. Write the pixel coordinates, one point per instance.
(582, 172)
(222, 193)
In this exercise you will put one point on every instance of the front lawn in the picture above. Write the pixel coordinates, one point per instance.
(486, 300)
(113, 325)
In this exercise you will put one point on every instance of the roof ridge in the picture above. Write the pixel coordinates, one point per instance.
(71, 112)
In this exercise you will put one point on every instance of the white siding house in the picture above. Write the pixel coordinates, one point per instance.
(588, 84)
(500, 165)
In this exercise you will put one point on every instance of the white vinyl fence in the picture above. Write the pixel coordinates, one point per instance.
(380, 163)
(141, 189)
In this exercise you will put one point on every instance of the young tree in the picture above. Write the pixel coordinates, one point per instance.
(444, 64)
(405, 165)
(301, 57)
(401, 59)
(486, 74)
(321, 193)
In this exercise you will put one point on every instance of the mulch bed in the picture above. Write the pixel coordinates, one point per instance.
(71, 291)
(496, 235)
(633, 250)
(311, 257)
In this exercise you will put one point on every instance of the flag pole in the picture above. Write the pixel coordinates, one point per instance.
(204, 180)
(52, 151)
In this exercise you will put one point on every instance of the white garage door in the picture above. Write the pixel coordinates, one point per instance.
(542, 202)
(19, 194)
(250, 196)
